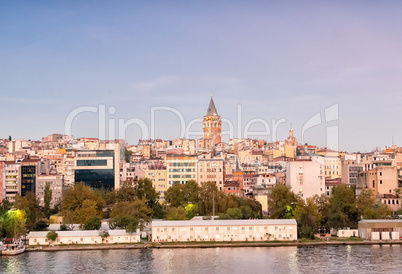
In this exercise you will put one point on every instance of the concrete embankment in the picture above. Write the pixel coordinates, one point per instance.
(207, 245)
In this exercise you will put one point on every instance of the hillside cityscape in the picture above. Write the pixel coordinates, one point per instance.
(87, 181)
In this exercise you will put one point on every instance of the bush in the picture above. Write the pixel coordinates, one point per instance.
(234, 213)
(64, 227)
(93, 223)
(40, 225)
(52, 236)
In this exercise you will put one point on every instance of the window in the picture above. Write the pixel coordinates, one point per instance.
(380, 173)
(217, 229)
(380, 182)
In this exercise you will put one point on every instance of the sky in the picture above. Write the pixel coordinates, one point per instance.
(271, 66)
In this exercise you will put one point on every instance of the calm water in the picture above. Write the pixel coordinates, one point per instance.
(325, 259)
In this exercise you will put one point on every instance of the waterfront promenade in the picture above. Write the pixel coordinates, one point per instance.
(207, 245)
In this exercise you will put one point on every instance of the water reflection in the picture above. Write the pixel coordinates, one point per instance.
(319, 259)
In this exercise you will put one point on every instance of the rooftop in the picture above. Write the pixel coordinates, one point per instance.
(225, 222)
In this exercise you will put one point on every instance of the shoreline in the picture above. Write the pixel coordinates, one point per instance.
(209, 245)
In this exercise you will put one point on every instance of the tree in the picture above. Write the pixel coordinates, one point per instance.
(283, 200)
(207, 195)
(93, 223)
(41, 225)
(104, 234)
(368, 207)
(342, 210)
(31, 207)
(234, 213)
(176, 213)
(145, 190)
(52, 236)
(130, 215)
(47, 200)
(14, 223)
(126, 192)
(247, 212)
(80, 203)
(127, 155)
(322, 203)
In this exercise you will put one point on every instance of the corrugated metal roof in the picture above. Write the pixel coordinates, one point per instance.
(226, 222)
(79, 233)
(379, 221)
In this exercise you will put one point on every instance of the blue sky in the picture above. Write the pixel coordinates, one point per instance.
(278, 59)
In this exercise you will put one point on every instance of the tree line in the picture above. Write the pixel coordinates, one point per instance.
(343, 209)
(130, 207)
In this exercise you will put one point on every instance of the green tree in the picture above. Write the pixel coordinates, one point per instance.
(174, 196)
(283, 200)
(207, 195)
(52, 236)
(176, 213)
(322, 203)
(130, 215)
(145, 190)
(247, 212)
(14, 223)
(127, 155)
(47, 200)
(41, 225)
(126, 192)
(30, 205)
(342, 210)
(368, 207)
(80, 203)
(93, 223)
(234, 213)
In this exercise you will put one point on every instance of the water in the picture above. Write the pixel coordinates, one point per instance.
(317, 259)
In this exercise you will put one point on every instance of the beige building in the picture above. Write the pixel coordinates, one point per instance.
(11, 179)
(181, 168)
(83, 237)
(224, 230)
(306, 176)
(211, 170)
(56, 185)
(332, 162)
(381, 179)
(158, 176)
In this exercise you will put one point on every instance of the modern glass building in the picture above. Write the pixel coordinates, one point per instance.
(29, 170)
(96, 168)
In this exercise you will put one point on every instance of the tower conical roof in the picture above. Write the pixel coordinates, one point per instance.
(212, 109)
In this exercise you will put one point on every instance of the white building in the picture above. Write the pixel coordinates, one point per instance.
(83, 237)
(224, 230)
(306, 176)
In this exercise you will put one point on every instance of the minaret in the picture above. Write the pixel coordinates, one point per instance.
(212, 125)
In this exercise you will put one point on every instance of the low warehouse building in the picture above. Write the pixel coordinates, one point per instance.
(380, 229)
(84, 237)
(224, 230)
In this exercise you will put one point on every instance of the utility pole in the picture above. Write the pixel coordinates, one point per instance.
(213, 204)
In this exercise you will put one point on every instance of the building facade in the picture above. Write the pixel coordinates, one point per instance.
(97, 168)
(211, 170)
(181, 168)
(306, 176)
(224, 230)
